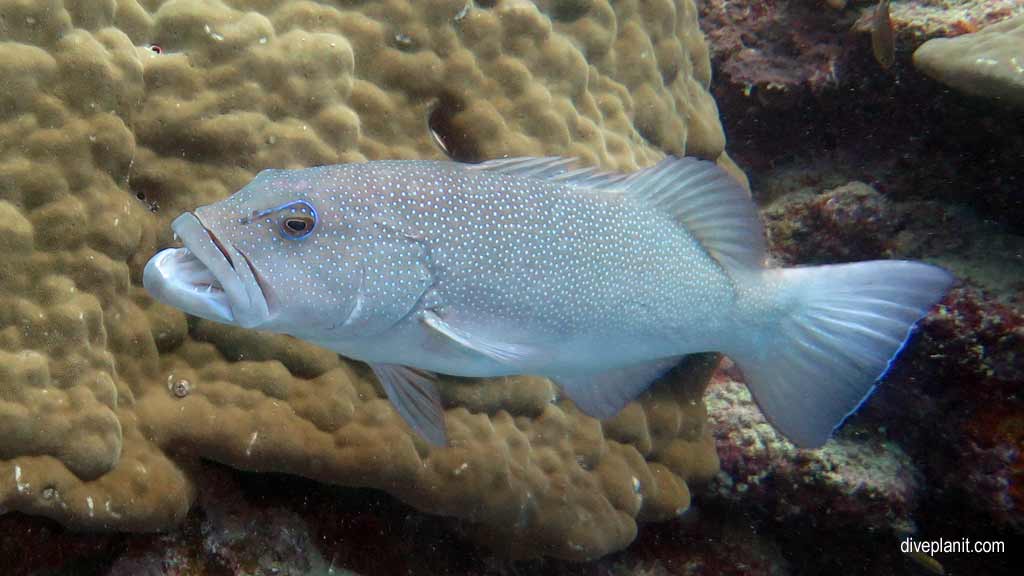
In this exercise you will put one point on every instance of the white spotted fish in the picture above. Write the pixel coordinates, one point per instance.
(526, 266)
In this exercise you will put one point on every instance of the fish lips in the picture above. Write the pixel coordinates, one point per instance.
(208, 277)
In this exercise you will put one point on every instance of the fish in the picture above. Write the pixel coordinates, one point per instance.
(600, 281)
(927, 562)
(883, 40)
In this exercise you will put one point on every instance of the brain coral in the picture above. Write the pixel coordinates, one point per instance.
(116, 115)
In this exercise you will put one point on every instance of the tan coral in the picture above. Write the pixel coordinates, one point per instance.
(116, 115)
(988, 63)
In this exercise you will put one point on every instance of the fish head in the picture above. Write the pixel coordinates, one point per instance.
(277, 255)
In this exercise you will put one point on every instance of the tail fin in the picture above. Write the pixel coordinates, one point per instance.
(848, 324)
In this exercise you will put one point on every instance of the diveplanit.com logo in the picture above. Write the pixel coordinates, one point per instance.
(960, 545)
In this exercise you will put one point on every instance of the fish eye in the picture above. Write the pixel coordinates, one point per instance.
(296, 221)
(297, 226)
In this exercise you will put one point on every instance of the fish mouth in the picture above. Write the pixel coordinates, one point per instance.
(208, 277)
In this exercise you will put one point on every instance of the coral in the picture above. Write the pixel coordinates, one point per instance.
(849, 223)
(116, 115)
(916, 21)
(962, 379)
(854, 222)
(252, 525)
(988, 63)
(848, 482)
(772, 48)
(777, 53)
(957, 384)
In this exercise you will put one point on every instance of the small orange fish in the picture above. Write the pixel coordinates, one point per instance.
(883, 40)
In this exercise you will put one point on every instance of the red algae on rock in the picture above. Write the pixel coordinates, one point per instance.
(864, 482)
(849, 223)
(963, 380)
(778, 51)
(772, 47)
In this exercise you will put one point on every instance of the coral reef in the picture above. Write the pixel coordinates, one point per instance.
(849, 223)
(885, 164)
(116, 115)
(964, 375)
(847, 483)
(960, 378)
(247, 524)
(770, 49)
(989, 63)
(917, 21)
(780, 52)
(945, 424)
(903, 133)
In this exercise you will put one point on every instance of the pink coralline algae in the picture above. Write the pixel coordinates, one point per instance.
(962, 386)
(849, 223)
(956, 386)
(778, 50)
(772, 46)
(920, 20)
(865, 482)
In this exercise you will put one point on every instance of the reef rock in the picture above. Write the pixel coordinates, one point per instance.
(846, 224)
(867, 483)
(116, 115)
(780, 51)
(955, 385)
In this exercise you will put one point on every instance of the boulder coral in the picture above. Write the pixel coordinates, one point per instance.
(988, 63)
(116, 115)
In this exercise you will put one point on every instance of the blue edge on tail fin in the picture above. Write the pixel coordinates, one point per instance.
(888, 367)
(839, 331)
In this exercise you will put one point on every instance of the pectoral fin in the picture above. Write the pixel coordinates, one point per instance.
(603, 394)
(415, 397)
(503, 352)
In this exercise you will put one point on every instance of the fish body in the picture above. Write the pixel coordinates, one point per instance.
(883, 39)
(566, 278)
(599, 281)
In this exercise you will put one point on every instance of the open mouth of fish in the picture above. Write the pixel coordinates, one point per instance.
(207, 277)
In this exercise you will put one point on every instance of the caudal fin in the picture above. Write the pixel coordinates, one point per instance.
(848, 324)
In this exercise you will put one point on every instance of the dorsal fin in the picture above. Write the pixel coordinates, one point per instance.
(709, 203)
(552, 168)
(702, 197)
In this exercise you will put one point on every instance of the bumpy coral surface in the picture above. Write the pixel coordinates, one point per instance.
(116, 115)
(989, 63)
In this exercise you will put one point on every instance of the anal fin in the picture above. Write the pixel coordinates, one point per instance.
(603, 394)
(415, 397)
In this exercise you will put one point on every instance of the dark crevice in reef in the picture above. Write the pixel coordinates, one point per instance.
(900, 130)
(450, 134)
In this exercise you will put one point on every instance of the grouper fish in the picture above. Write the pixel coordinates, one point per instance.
(599, 281)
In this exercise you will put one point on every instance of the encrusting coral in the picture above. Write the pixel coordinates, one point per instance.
(116, 115)
(988, 63)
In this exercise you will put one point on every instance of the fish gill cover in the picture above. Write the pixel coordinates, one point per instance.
(116, 115)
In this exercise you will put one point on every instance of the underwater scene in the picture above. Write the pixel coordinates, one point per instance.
(511, 287)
